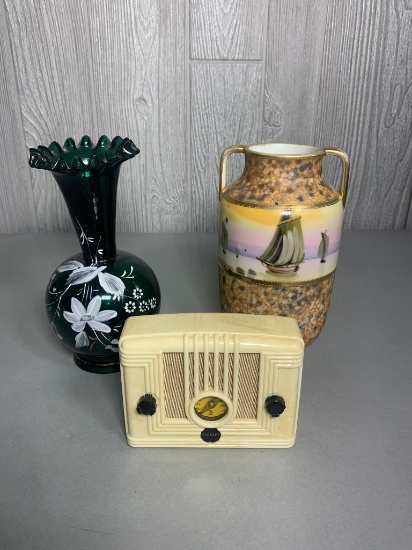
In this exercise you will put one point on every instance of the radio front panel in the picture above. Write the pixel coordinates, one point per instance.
(211, 380)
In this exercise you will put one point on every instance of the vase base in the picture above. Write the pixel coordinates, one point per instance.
(97, 365)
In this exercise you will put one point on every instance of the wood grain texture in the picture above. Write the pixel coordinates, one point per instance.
(365, 106)
(16, 197)
(227, 29)
(113, 68)
(51, 49)
(295, 37)
(225, 102)
(328, 73)
(138, 59)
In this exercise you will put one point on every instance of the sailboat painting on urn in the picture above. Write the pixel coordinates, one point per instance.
(287, 245)
(323, 247)
(286, 250)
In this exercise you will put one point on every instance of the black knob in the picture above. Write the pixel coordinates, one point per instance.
(146, 404)
(275, 405)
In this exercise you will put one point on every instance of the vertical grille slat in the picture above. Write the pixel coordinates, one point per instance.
(249, 366)
(174, 385)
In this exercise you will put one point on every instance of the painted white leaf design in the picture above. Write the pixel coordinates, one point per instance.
(111, 283)
(114, 346)
(70, 266)
(81, 340)
(84, 275)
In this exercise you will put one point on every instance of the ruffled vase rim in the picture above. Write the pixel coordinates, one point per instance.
(84, 158)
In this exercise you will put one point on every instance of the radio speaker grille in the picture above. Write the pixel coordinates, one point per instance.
(174, 383)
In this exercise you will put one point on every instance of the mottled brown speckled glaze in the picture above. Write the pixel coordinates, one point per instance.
(308, 303)
(277, 182)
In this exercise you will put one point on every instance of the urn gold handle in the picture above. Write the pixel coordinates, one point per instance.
(223, 164)
(345, 170)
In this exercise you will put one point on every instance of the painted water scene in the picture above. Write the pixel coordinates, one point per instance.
(289, 246)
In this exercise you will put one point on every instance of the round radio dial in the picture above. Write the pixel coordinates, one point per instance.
(211, 408)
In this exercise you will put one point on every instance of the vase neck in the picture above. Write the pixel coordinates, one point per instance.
(91, 201)
(290, 170)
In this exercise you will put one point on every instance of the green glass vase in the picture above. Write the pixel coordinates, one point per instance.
(91, 294)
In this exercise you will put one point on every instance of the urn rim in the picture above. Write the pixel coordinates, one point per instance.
(285, 150)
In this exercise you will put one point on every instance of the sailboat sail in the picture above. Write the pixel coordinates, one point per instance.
(323, 246)
(285, 251)
(224, 238)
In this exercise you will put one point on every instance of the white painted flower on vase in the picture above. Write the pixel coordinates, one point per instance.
(137, 293)
(92, 316)
(129, 307)
(144, 306)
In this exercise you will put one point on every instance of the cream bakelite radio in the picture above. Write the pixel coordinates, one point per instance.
(211, 380)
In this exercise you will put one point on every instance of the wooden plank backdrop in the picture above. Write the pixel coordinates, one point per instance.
(15, 188)
(186, 78)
